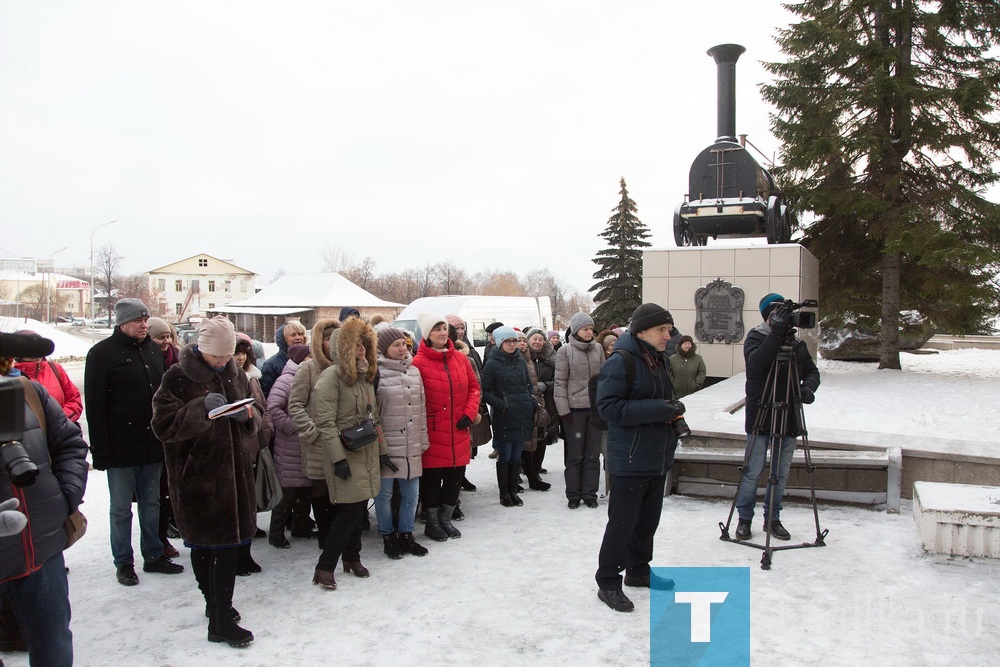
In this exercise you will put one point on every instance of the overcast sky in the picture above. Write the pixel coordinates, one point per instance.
(490, 134)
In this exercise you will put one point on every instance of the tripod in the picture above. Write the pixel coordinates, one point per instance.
(781, 400)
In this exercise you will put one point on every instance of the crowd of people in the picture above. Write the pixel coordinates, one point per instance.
(357, 414)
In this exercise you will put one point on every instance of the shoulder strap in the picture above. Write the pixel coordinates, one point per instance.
(55, 369)
(31, 398)
(629, 367)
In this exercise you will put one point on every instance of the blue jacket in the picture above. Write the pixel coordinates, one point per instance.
(275, 364)
(508, 390)
(640, 440)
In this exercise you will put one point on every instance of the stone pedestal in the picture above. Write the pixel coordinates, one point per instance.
(672, 276)
(958, 519)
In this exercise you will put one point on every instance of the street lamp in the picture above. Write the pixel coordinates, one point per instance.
(48, 286)
(92, 281)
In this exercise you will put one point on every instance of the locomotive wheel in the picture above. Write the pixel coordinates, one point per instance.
(773, 221)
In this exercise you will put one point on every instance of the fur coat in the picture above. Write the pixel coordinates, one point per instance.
(209, 462)
(344, 396)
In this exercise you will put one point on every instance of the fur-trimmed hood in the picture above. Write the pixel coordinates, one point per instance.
(316, 342)
(546, 354)
(461, 347)
(349, 335)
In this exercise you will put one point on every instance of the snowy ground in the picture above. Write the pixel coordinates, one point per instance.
(518, 587)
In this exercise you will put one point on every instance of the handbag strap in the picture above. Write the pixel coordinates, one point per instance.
(31, 398)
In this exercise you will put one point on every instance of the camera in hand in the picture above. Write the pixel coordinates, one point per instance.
(678, 423)
(802, 319)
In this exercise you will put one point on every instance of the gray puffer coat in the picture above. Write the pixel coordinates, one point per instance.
(576, 362)
(403, 410)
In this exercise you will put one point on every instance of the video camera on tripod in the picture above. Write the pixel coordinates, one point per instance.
(13, 455)
(801, 319)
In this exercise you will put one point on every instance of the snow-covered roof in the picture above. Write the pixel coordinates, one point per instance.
(315, 291)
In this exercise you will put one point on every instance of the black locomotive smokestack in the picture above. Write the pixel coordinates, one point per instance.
(725, 56)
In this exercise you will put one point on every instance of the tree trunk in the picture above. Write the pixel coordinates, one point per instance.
(889, 357)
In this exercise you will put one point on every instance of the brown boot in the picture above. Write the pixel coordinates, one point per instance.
(324, 579)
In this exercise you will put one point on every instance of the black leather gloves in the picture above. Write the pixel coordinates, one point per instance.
(342, 470)
(385, 462)
(464, 422)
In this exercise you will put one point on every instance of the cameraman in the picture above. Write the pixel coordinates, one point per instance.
(32, 569)
(760, 351)
(641, 445)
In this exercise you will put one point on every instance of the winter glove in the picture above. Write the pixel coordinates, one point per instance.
(213, 401)
(342, 470)
(385, 462)
(780, 320)
(807, 395)
(464, 422)
(674, 409)
(12, 522)
(241, 415)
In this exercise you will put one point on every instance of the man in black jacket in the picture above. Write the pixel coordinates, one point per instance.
(759, 351)
(121, 376)
(32, 569)
(641, 445)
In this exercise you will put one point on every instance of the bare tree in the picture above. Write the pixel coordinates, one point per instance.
(542, 283)
(499, 283)
(337, 259)
(33, 300)
(362, 275)
(451, 279)
(105, 275)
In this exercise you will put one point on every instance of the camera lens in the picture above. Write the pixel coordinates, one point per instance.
(681, 429)
(20, 469)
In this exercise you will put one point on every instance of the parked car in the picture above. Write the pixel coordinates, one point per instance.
(62, 319)
(104, 322)
(79, 321)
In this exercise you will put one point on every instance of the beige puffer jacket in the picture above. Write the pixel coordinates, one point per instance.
(403, 409)
(576, 362)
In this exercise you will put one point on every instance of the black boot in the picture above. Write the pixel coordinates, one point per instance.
(459, 515)
(444, 516)
(246, 565)
(535, 482)
(201, 565)
(433, 527)
(503, 483)
(513, 486)
(410, 545)
(390, 545)
(221, 584)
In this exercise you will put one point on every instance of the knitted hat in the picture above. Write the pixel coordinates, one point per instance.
(541, 333)
(454, 320)
(157, 326)
(502, 333)
(127, 310)
(298, 352)
(647, 316)
(348, 311)
(493, 327)
(217, 337)
(387, 337)
(552, 333)
(768, 303)
(427, 321)
(579, 321)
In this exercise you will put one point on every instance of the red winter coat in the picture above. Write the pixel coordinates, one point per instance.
(57, 383)
(452, 390)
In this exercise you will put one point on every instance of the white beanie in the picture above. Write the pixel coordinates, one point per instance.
(217, 337)
(427, 321)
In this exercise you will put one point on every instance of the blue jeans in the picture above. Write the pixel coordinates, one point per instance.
(508, 451)
(409, 489)
(143, 483)
(41, 605)
(746, 498)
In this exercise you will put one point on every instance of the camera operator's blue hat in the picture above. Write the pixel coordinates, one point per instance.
(768, 303)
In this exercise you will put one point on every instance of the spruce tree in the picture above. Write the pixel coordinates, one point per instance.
(888, 114)
(619, 280)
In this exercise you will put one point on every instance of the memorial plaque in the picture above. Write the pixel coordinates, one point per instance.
(718, 312)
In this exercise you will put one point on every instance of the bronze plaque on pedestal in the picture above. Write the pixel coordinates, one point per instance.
(718, 312)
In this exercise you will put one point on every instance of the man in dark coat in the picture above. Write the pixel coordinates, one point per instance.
(32, 569)
(288, 334)
(641, 445)
(759, 351)
(121, 375)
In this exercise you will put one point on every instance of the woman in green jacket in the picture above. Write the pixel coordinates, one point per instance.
(687, 368)
(345, 396)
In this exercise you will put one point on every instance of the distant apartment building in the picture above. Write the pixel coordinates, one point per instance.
(193, 286)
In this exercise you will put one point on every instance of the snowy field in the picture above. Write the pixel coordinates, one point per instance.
(518, 588)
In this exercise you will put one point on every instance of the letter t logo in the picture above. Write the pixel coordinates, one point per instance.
(701, 611)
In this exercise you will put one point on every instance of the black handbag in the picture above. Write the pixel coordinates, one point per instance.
(360, 435)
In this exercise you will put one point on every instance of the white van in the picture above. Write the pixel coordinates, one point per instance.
(479, 312)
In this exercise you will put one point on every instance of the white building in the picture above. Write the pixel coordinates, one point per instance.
(193, 286)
